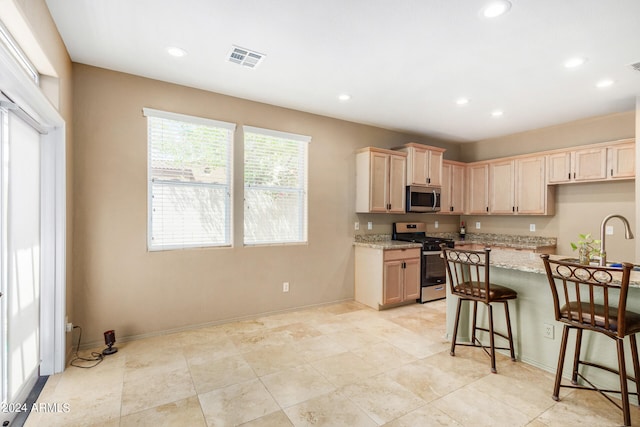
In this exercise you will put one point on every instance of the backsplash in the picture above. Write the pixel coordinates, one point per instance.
(486, 238)
(500, 238)
(370, 238)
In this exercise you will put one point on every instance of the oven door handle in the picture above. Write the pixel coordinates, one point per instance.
(431, 252)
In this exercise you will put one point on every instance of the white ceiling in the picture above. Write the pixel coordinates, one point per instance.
(404, 62)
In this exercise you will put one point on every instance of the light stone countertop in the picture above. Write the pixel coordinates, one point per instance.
(532, 263)
(527, 262)
(387, 244)
(383, 241)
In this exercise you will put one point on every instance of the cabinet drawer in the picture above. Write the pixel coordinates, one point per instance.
(433, 292)
(397, 254)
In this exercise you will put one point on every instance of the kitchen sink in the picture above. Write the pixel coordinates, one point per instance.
(609, 264)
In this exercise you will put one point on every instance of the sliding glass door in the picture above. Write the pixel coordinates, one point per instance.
(21, 255)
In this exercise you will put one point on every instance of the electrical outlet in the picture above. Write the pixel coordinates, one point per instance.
(532, 227)
(369, 225)
(436, 225)
(548, 331)
(68, 326)
(356, 226)
(285, 286)
(609, 230)
(478, 225)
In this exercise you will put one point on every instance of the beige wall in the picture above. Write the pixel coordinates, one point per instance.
(581, 132)
(122, 286)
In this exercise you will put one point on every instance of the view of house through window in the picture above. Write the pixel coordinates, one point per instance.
(190, 181)
(275, 187)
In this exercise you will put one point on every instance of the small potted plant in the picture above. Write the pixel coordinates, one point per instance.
(587, 247)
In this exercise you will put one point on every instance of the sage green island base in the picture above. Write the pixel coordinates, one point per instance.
(532, 314)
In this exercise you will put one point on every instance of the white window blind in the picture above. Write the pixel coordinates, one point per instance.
(190, 181)
(275, 187)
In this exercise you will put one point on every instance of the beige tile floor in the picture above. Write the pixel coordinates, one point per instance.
(337, 365)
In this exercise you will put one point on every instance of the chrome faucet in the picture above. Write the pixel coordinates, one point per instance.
(627, 235)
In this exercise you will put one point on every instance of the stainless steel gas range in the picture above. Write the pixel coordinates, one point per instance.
(433, 273)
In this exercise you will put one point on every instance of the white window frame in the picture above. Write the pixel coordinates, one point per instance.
(303, 219)
(149, 112)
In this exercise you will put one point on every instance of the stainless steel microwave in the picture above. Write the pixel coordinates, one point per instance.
(423, 199)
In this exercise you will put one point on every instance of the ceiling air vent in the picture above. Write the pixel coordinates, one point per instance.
(636, 66)
(245, 57)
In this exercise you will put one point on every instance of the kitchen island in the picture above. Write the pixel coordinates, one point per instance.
(533, 311)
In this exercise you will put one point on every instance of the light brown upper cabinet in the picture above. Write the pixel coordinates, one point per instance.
(424, 164)
(621, 160)
(477, 189)
(518, 186)
(380, 181)
(452, 195)
(600, 162)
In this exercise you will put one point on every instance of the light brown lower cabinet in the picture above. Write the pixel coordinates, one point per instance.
(387, 277)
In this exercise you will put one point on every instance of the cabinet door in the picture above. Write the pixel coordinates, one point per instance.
(559, 167)
(412, 279)
(379, 182)
(531, 188)
(397, 179)
(457, 189)
(452, 196)
(622, 161)
(434, 178)
(446, 200)
(392, 286)
(590, 164)
(502, 187)
(419, 159)
(478, 189)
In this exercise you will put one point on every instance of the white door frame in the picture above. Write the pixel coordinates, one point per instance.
(25, 93)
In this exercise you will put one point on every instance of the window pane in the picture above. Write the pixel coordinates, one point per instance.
(275, 181)
(188, 215)
(189, 181)
(273, 216)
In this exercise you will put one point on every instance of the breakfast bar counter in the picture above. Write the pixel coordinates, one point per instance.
(532, 312)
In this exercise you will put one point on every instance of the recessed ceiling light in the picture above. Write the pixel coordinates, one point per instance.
(462, 101)
(604, 83)
(574, 62)
(497, 113)
(344, 97)
(176, 51)
(496, 8)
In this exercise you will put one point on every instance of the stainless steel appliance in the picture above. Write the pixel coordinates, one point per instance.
(433, 272)
(422, 199)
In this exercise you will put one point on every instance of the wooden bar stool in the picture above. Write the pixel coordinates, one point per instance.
(468, 273)
(594, 299)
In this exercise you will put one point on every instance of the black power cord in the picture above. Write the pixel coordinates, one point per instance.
(97, 357)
